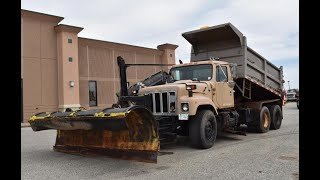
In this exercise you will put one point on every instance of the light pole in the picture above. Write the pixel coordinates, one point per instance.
(289, 84)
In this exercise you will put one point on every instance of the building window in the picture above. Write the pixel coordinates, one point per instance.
(70, 59)
(93, 93)
(221, 74)
(70, 41)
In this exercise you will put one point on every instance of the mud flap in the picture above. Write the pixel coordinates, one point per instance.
(126, 133)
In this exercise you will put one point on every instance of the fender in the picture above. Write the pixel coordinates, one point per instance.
(196, 101)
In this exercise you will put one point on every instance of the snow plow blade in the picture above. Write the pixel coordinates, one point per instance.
(126, 133)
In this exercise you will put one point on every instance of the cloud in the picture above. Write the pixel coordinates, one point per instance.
(291, 73)
(271, 26)
(120, 20)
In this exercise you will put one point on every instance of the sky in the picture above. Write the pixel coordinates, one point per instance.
(271, 26)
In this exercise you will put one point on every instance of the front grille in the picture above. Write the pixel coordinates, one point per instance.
(290, 95)
(163, 102)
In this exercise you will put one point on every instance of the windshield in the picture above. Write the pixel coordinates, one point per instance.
(202, 72)
(291, 91)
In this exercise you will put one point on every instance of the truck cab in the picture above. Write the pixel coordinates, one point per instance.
(194, 89)
(206, 83)
(291, 95)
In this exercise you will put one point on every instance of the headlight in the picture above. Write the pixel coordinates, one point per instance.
(185, 107)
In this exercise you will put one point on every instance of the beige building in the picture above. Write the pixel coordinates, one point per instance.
(61, 70)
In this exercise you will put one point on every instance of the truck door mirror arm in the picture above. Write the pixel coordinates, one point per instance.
(233, 68)
(231, 84)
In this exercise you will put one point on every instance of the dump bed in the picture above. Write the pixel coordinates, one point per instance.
(229, 44)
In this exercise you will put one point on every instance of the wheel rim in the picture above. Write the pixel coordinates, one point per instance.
(266, 120)
(209, 130)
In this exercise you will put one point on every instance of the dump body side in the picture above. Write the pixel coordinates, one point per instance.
(228, 44)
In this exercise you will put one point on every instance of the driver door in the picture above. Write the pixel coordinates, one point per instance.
(224, 93)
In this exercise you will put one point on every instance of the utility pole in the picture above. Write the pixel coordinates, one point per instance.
(289, 84)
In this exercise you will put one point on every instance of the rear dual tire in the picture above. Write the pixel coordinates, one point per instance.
(261, 122)
(276, 117)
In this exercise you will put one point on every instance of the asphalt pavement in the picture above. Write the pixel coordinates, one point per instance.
(272, 155)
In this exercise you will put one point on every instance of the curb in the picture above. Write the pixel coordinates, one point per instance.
(25, 125)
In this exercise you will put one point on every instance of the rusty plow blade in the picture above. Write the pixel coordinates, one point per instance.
(127, 133)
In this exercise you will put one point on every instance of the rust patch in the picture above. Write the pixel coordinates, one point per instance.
(139, 142)
(140, 156)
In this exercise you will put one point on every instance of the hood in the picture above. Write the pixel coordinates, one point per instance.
(201, 87)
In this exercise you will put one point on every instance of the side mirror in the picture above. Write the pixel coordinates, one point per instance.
(231, 84)
(233, 69)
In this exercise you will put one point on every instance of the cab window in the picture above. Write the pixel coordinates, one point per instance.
(221, 74)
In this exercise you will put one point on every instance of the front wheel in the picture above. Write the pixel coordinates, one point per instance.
(203, 129)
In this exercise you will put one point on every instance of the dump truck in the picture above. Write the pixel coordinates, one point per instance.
(226, 84)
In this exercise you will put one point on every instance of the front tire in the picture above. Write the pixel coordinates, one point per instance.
(203, 129)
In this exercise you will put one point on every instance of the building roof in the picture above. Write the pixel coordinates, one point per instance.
(38, 14)
(60, 27)
(128, 45)
(65, 27)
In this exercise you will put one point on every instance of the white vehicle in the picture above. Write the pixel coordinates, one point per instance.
(291, 95)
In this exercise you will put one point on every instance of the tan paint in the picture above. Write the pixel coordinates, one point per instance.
(99, 64)
(68, 71)
(168, 56)
(46, 71)
(224, 94)
(38, 62)
(22, 47)
(212, 93)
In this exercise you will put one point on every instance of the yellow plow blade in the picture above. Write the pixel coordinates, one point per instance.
(126, 133)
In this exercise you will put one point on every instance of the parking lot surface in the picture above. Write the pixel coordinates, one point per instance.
(272, 155)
